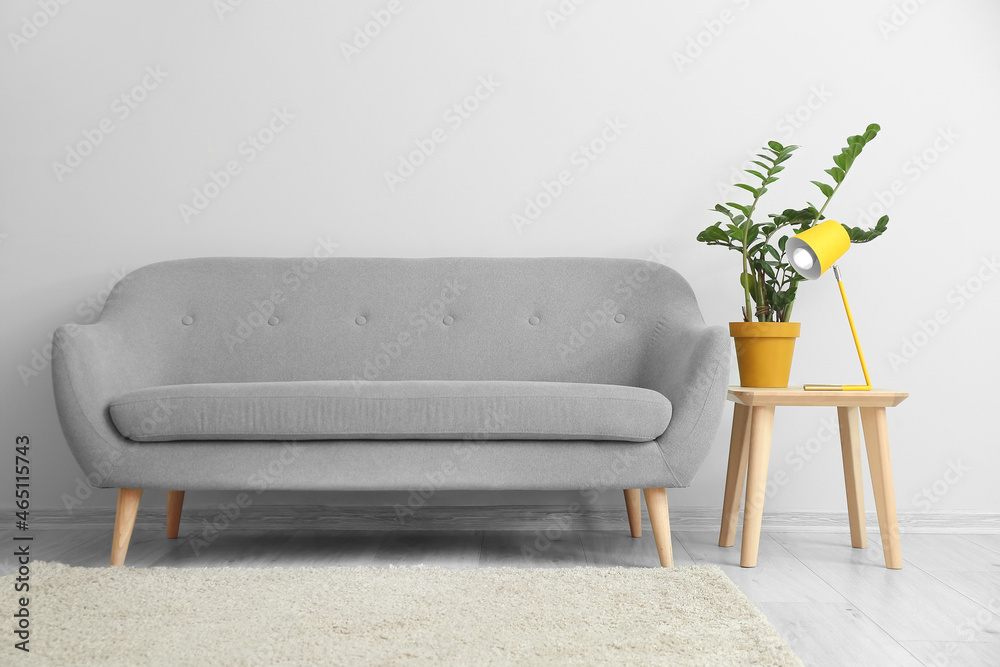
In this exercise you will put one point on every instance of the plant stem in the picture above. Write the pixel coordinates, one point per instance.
(747, 310)
(787, 315)
(746, 232)
(819, 214)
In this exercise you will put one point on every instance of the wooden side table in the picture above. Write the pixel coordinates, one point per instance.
(750, 449)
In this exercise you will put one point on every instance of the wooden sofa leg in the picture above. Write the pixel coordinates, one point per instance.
(633, 505)
(128, 505)
(656, 505)
(175, 500)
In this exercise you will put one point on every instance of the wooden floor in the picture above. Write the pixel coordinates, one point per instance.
(834, 604)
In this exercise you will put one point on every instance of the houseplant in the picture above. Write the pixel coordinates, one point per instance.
(765, 339)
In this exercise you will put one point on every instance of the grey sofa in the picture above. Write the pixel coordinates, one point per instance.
(463, 373)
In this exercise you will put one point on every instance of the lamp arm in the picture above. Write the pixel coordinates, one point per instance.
(857, 343)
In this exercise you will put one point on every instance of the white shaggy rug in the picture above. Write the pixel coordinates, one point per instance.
(410, 615)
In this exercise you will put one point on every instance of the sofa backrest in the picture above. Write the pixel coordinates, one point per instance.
(282, 319)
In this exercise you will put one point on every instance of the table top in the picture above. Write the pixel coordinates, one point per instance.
(769, 396)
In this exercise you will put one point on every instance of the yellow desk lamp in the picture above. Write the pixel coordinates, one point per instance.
(811, 253)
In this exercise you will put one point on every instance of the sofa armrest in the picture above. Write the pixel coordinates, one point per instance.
(688, 362)
(91, 365)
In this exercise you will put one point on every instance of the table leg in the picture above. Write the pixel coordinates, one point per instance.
(739, 445)
(850, 445)
(877, 443)
(761, 424)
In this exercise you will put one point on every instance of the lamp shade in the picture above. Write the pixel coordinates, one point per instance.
(816, 249)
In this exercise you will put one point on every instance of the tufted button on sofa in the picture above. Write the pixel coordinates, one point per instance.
(550, 373)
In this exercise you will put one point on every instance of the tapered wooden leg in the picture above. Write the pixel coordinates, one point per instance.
(850, 445)
(128, 505)
(877, 443)
(175, 500)
(633, 505)
(739, 447)
(659, 517)
(761, 424)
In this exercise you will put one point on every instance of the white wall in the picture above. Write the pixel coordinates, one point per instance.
(805, 73)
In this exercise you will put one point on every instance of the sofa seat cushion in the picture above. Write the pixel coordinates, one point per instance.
(391, 410)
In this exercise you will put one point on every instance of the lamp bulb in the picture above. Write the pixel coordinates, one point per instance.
(802, 259)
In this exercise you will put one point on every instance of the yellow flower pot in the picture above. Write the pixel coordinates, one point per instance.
(764, 351)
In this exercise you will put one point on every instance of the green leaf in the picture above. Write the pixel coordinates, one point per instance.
(793, 215)
(757, 174)
(745, 210)
(775, 146)
(824, 188)
(748, 188)
(723, 210)
(714, 235)
(837, 173)
(859, 235)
